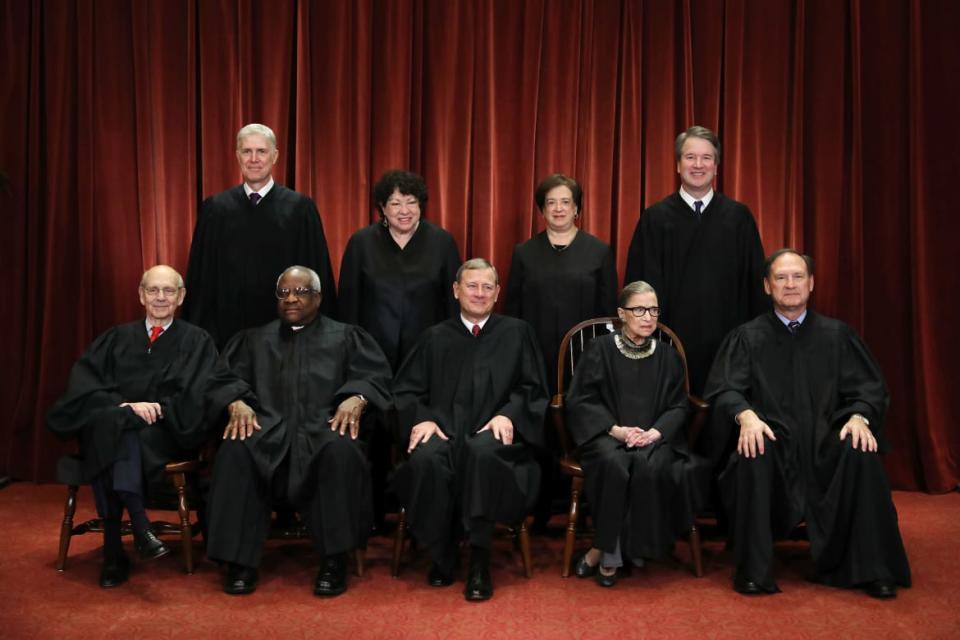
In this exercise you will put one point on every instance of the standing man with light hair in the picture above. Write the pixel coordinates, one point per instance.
(245, 236)
(701, 251)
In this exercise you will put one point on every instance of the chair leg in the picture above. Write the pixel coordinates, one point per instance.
(66, 527)
(571, 538)
(359, 556)
(695, 551)
(398, 543)
(524, 537)
(186, 530)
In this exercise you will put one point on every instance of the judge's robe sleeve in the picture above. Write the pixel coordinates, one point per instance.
(90, 389)
(349, 292)
(202, 274)
(412, 387)
(184, 411)
(368, 372)
(753, 258)
(729, 388)
(527, 401)
(861, 388)
(315, 253)
(645, 254)
(232, 379)
(513, 306)
(671, 398)
(588, 414)
(607, 290)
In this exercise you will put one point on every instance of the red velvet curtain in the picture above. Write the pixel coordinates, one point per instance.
(837, 120)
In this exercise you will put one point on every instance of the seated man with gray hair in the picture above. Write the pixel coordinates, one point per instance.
(135, 401)
(471, 397)
(294, 390)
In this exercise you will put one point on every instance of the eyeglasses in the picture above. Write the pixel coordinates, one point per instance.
(299, 292)
(153, 292)
(639, 312)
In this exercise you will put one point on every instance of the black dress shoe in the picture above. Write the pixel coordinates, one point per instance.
(149, 546)
(881, 589)
(115, 572)
(605, 580)
(332, 577)
(583, 569)
(437, 577)
(749, 587)
(479, 584)
(240, 579)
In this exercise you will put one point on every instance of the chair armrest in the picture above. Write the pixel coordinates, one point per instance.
(186, 466)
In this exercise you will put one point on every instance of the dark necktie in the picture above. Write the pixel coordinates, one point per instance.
(794, 327)
(475, 330)
(254, 198)
(155, 333)
(698, 208)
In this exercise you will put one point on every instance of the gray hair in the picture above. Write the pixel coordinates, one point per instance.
(475, 264)
(314, 278)
(256, 128)
(143, 278)
(633, 289)
(697, 131)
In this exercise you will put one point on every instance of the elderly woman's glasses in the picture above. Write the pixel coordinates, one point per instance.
(299, 292)
(639, 312)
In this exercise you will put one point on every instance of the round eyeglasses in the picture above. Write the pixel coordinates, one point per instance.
(299, 292)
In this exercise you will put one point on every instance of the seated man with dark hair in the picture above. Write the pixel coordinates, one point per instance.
(809, 401)
(294, 390)
(471, 397)
(135, 401)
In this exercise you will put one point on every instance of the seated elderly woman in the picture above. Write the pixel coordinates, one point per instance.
(626, 410)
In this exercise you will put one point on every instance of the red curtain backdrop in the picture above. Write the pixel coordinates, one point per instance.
(838, 120)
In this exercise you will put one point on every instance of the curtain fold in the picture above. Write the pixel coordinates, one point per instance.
(836, 119)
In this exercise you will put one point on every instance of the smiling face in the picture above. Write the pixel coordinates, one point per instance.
(477, 292)
(789, 284)
(402, 212)
(697, 166)
(160, 294)
(640, 328)
(559, 209)
(299, 303)
(256, 157)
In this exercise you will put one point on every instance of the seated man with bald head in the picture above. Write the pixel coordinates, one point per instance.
(294, 390)
(134, 400)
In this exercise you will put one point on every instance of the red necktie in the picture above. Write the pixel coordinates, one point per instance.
(475, 330)
(155, 333)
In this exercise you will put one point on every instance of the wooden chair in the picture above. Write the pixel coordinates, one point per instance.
(518, 532)
(68, 472)
(571, 348)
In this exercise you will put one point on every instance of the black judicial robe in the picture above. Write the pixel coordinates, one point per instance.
(610, 389)
(122, 366)
(295, 380)
(395, 293)
(805, 387)
(460, 381)
(554, 290)
(238, 252)
(708, 272)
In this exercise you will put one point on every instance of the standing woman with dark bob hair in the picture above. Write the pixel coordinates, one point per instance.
(559, 277)
(396, 279)
(397, 274)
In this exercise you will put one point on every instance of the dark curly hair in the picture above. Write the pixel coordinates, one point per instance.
(406, 182)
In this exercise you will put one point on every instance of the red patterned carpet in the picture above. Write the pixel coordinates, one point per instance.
(659, 601)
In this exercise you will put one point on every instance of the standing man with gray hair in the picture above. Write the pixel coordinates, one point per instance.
(244, 237)
(702, 253)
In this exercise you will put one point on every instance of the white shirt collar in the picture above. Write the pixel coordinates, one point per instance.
(786, 321)
(263, 192)
(165, 326)
(469, 325)
(689, 199)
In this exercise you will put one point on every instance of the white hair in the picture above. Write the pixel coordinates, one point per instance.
(314, 278)
(256, 128)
